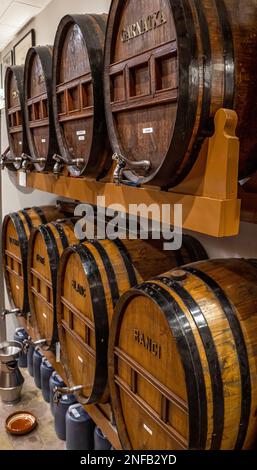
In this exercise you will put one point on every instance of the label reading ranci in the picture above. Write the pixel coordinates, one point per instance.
(148, 130)
(81, 132)
(81, 137)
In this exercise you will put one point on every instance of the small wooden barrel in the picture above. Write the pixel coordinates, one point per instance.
(91, 279)
(14, 108)
(78, 93)
(183, 359)
(38, 106)
(46, 245)
(15, 235)
(169, 66)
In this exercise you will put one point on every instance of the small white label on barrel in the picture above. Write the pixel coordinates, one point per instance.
(45, 315)
(22, 179)
(58, 352)
(43, 141)
(75, 413)
(148, 130)
(81, 137)
(80, 359)
(20, 142)
(81, 132)
(148, 429)
(65, 397)
(17, 287)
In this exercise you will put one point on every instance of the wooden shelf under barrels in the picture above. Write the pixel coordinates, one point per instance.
(100, 414)
(209, 195)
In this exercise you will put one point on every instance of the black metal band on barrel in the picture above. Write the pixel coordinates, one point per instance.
(26, 216)
(23, 239)
(212, 359)
(229, 53)
(128, 262)
(99, 20)
(241, 350)
(53, 255)
(206, 124)
(40, 214)
(191, 361)
(113, 284)
(62, 234)
(100, 321)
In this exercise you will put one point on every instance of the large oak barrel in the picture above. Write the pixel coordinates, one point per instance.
(78, 94)
(46, 245)
(169, 66)
(183, 359)
(91, 279)
(39, 107)
(14, 108)
(15, 236)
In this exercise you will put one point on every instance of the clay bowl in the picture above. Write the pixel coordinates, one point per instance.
(20, 423)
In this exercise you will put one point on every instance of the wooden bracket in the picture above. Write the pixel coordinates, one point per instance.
(208, 195)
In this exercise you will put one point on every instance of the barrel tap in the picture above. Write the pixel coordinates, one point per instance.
(60, 391)
(61, 162)
(28, 162)
(14, 311)
(29, 342)
(124, 164)
(5, 160)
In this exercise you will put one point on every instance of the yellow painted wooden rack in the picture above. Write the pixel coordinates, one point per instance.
(209, 195)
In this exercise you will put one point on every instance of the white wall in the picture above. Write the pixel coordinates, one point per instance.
(45, 25)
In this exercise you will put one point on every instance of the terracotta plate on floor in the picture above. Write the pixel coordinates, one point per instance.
(20, 423)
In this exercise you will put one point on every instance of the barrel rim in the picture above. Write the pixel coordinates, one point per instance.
(114, 392)
(98, 388)
(100, 142)
(45, 55)
(18, 72)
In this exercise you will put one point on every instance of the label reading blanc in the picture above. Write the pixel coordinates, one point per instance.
(82, 137)
(78, 288)
(13, 241)
(148, 130)
(147, 342)
(148, 429)
(143, 25)
(40, 259)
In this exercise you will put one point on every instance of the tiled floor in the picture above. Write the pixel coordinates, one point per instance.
(43, 437)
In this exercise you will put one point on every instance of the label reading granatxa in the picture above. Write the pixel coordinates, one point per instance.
(143, 25)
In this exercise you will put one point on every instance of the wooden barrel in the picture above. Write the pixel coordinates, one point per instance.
(183, 359)
(91, 279)
(169, 66)
(14, 108)
(78, 93)
(46, 245)
(15, 235)
(38, 106)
